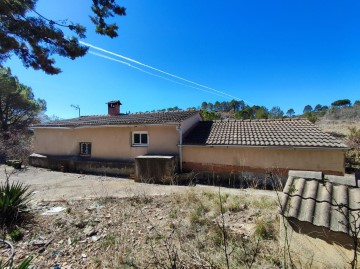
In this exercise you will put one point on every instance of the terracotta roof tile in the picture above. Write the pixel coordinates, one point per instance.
(328, 205)
(283, 133)
(123, 119)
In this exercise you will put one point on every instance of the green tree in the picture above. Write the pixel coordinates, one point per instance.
(34, 38)
(324, 108)
(18, 106)
(310, 116)
(290, 112)
(236, 105)
(18, 110)
(276, 113)
(318, 108)
(341, 103)
(209, 115)
(307, 108)
(210, 106)
(242, 105)
(175, 108)
(261, 113)
(204, 106)
(225, 106)
(246, 113)
(357, 103)
(217, 106)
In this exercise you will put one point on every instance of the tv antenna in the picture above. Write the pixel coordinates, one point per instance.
(77, 108)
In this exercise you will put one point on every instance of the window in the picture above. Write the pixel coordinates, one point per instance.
(85, 148)
(140, 139)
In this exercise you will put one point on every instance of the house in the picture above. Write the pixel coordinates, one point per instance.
(262, 146)
(111, 143)
(320, 224)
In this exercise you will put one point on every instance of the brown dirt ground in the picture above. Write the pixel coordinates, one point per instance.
(48, 185)
(117, 223)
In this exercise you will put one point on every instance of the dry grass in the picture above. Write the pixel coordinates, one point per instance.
(337, 127)
(177, 231)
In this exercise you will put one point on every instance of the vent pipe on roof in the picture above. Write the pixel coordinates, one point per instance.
(114, 107)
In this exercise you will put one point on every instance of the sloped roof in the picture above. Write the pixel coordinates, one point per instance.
(123, 119)
(276, 133)
(324, 204)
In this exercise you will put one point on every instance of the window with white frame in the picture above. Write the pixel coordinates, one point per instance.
(85, 148)
(140, 139)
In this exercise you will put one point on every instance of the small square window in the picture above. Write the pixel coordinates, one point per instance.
(140, 139)
(85, 148)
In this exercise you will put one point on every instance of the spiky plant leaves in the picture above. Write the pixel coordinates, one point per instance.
(14, 200)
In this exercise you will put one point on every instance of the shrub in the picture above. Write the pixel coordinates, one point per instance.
(352, 157)
(265, 229)
(210, 115)
(353, 139)
(310, 116)
(197, 216)
(16, 145)
(344, 113)
(352, 160)
(14, 199)
(16, 235)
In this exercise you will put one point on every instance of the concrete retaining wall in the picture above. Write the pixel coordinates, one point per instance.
(83, 165)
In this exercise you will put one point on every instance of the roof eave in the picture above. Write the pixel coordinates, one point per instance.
(106, 125)
(265, 146)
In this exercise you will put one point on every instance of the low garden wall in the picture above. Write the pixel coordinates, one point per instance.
(83, 165)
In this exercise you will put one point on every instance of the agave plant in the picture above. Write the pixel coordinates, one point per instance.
(25, 264)
(14, 200)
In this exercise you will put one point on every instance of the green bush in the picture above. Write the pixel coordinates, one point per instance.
(265, 229)
(310, 116)
(352, 160)
(16, 235)
(210, 115)
(14, 199)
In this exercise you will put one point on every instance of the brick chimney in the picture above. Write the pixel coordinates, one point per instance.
(114, 107)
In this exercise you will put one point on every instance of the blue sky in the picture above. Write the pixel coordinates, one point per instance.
(285, 53)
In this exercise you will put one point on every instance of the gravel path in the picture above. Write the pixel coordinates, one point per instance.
(49, 185)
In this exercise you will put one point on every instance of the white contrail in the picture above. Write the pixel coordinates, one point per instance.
(152, 74)
(158, 70)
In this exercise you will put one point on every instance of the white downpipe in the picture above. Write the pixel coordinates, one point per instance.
(178, 128)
